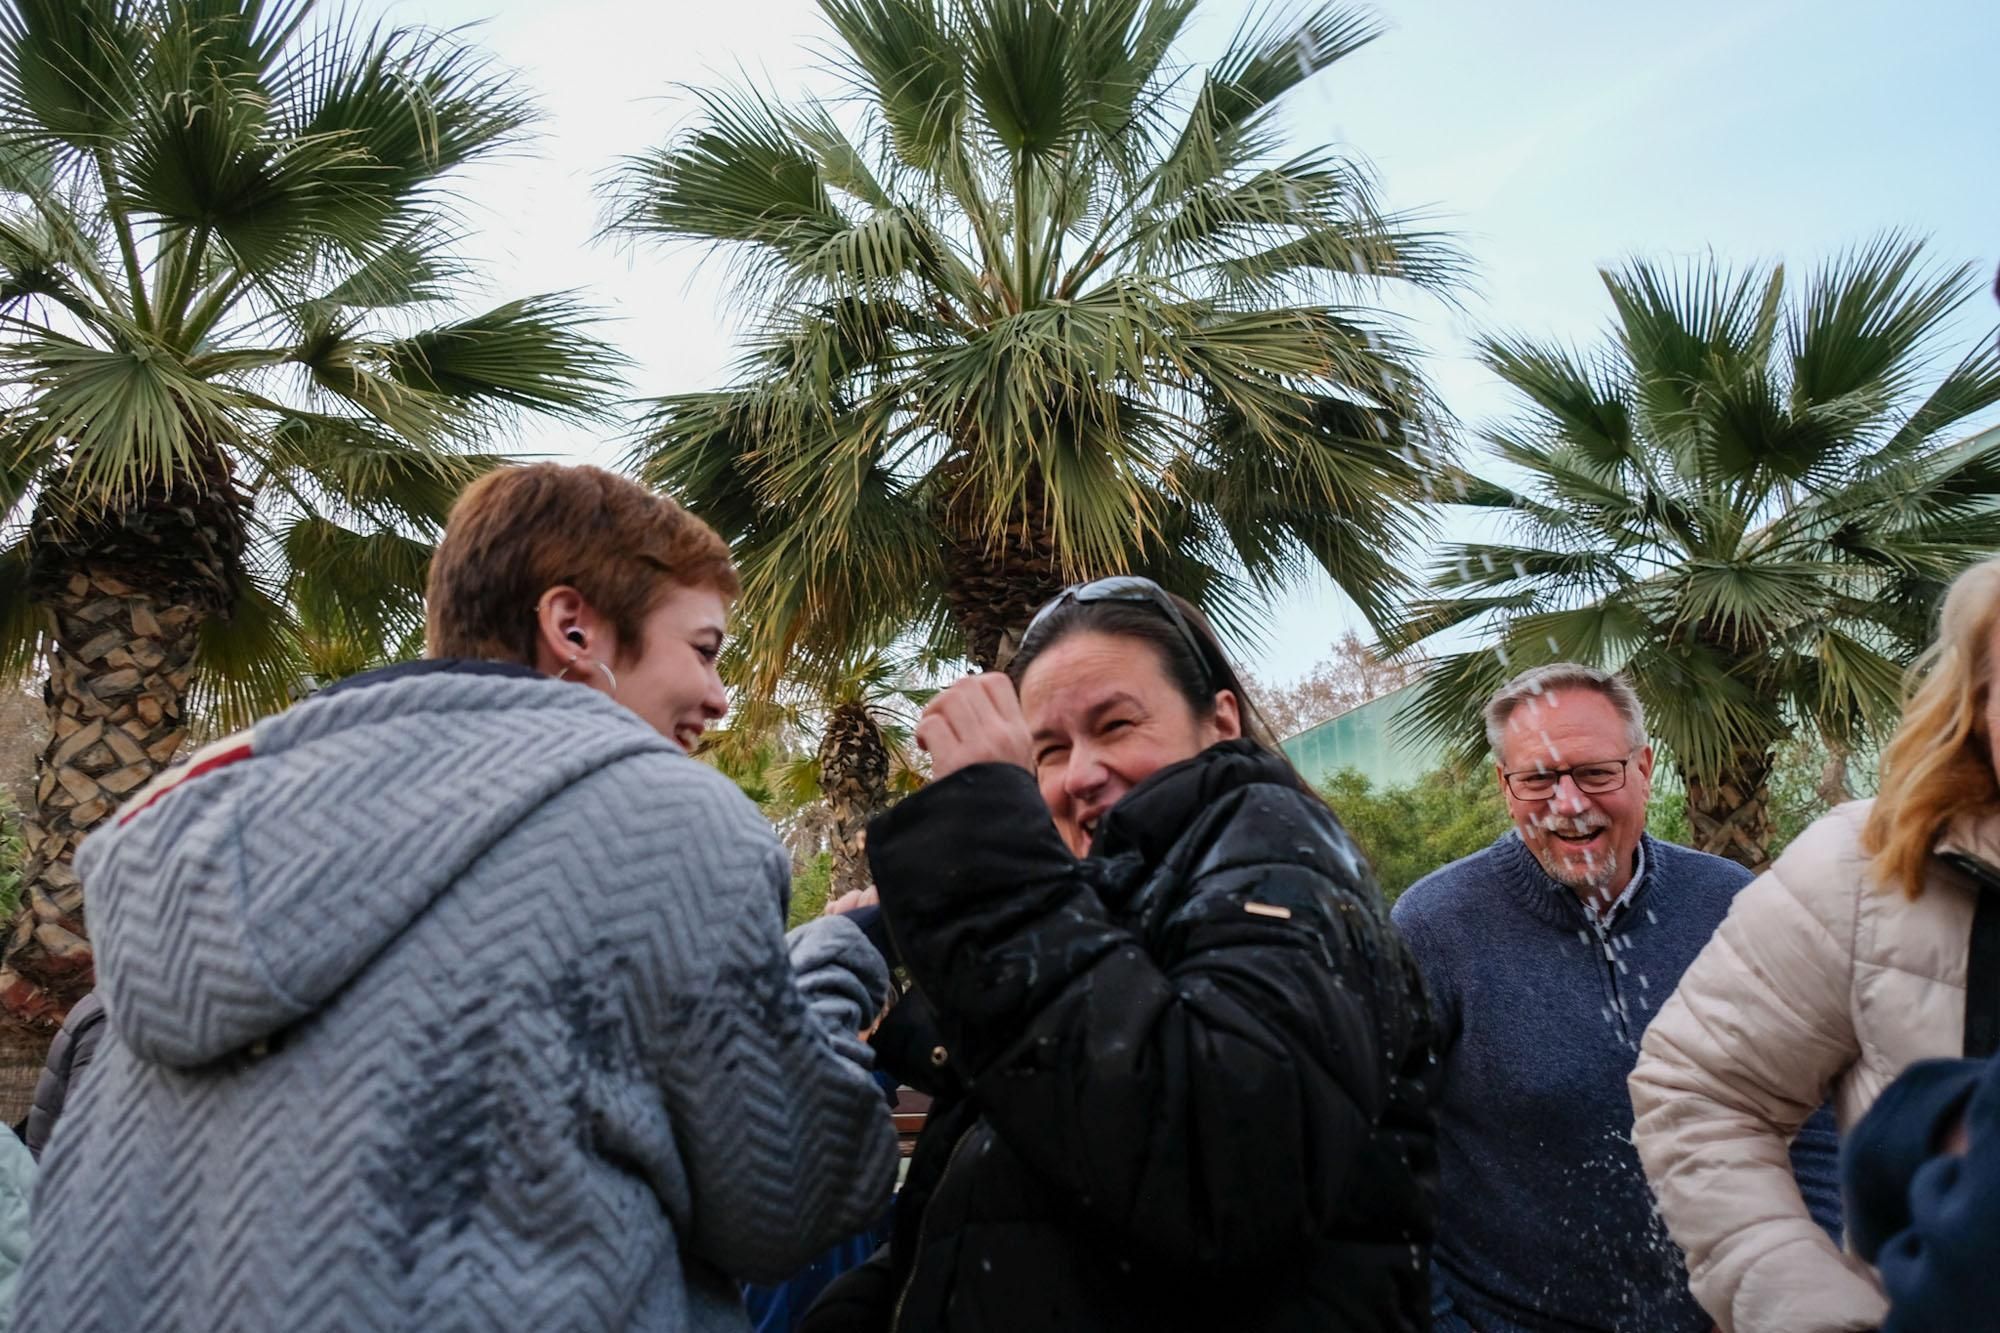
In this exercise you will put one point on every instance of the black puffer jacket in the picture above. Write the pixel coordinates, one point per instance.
(1193, 1072)
(69, 1055)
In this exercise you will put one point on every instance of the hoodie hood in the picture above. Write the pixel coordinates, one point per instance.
(238, 893)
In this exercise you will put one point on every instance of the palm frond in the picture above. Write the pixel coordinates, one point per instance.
(382, 477)
(900, 56)
(1740, 503)
(1587, 405)
(1972, 386)
(1445, 712)
(417, 268)
(24, 624)
(1866, 319)
(1746, 603)
(416, 104)
(68, 69)
(137, 416)
(1019, 75)
(1030, 300)
(741, 175)
(199, 155)
(1848, 689)
(528, 355)
(1263, 62)
(359, 587)
(250, 661)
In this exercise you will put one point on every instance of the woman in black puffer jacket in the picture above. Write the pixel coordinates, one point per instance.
(1184, 1063)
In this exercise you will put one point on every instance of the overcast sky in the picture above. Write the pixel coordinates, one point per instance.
(1555, 136)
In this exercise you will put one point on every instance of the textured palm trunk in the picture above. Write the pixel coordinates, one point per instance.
(995, 581)
(1729, 812)
(116, 692)
(854, 775)
(127, 589)
(1834, 787)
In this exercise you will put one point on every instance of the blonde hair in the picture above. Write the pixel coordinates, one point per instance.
(1938, 765)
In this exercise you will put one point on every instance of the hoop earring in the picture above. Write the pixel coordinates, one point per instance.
(609, 678)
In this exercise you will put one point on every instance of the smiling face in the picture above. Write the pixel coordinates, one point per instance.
(666, 674)
(671, 680)
(1588, 841)
(1105, 717)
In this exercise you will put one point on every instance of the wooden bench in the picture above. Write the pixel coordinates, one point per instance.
(913, 1108)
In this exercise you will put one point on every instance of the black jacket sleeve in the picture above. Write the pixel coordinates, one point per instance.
(1210, 1090)
(69, 1055)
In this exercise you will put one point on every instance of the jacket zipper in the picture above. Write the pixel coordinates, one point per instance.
(1600, 934)
(903, 1296)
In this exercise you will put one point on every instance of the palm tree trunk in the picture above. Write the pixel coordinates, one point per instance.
(116, 694)
(995, 581)
(854, 775)
(1729, 812)
(1834, 787)
(127, 585)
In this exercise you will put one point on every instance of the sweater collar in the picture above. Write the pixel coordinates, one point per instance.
(1549, 900)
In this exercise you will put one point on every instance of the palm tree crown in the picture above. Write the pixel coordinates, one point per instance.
(1748, 502)
(1037, 302)
(234, 421)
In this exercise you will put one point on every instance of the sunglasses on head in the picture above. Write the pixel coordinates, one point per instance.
(1144, 592)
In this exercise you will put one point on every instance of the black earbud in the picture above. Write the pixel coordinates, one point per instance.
(575, 636)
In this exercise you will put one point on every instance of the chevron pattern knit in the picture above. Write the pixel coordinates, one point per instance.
(463, 1003)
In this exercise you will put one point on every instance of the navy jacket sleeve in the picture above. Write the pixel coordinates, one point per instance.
(1216, 1092)
(1930, 1222)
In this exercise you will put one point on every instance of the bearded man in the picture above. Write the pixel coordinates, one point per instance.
(1546, 955)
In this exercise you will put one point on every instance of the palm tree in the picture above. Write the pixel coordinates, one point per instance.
(776, 769)
(229, 436)
(1748, 502)
(865, 754)
(839, 732)
(1035, 303)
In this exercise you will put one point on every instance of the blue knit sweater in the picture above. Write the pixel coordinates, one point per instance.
(1545, 1221)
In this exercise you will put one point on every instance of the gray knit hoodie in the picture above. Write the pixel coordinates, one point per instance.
(455, 1001)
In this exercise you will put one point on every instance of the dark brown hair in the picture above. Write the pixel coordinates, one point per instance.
(1196, 680)
(517, 532)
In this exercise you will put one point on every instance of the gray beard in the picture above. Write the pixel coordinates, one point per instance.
(1596, 880)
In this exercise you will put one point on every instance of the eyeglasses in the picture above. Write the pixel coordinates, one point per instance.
(1133, 588)
(1538, 784)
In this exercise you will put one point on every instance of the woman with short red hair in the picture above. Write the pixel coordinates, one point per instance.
(457, 997)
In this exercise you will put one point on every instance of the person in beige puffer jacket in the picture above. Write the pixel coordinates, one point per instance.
(1838, 967)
